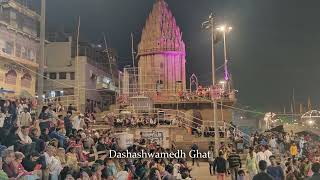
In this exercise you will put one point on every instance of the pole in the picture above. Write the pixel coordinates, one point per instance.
(294, 102)
(226, 75)
(108, 55)
(42, 55)
(133, 64)
(216, 141)
(77, 68)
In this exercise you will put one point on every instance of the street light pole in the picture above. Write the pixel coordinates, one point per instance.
(209, 24)
(42, 55)
(224, 30)
(216, 141)
(226, 75)
(77, 68)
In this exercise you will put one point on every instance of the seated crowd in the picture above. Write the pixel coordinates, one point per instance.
(60, 145)
(137, 121)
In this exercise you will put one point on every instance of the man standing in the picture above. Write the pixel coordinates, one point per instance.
(301, 146)
(273, 144)
(194, 149)
(220, 166)
(294, 150)
(267, 154)
(67, 123)
(274, 170)
(262, 175)
(234, 164)
(260, 155)
(251, 162)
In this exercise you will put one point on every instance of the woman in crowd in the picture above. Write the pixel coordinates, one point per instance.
(110, 169)
(154, 172)
(8, 166)
(72, 160)
(24, 174)
(251, 162)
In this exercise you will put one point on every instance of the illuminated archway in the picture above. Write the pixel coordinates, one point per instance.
(311, 118)
(193, 82)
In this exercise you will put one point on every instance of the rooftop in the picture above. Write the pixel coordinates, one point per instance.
(20, 8)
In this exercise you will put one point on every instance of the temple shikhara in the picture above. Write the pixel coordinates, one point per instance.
(157, 85)
(161, 53)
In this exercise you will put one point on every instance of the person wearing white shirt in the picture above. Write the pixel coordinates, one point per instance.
(23, 135)
(24, 118)
(268, 153)
(20, 108)
(53, 164)
(2, 118)
(260, 155)
(151, 122)
(273, 144)
(133, 122)
(78, 122)
(301, 145)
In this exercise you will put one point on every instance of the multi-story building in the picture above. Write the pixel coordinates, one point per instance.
(90, 82)
(19, 48)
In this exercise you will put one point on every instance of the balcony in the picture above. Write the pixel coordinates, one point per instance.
(19, 60)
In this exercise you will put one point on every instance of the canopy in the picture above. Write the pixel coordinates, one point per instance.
(25, 94)
(277, 129)
(5, 91)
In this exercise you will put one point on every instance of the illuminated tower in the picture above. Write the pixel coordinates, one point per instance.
(161, 53)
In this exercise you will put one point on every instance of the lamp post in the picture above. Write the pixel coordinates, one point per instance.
(224, 29)
(42, 55)
(210, 24)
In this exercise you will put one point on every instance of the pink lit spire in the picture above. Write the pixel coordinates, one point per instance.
(161, 33)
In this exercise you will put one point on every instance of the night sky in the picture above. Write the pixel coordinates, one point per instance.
(273, 48)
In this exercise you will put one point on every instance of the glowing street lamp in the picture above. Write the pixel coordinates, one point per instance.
(222, 82)
(310, 122)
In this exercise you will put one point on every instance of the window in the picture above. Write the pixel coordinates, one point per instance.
(159, 85)
(62, 75)
(24, 53)
(31, 55)
(26, 80)
(8, 48)
(18, 50)
(45, 76)
(72, 76)
(68, 91)
(53, 75)
(11, 77)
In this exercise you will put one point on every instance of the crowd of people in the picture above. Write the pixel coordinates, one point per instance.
(144, 120)
(272, 155)
(60, 145)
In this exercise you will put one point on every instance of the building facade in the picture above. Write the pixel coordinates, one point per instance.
(88, 82)
(19, 48)
(161, 53)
